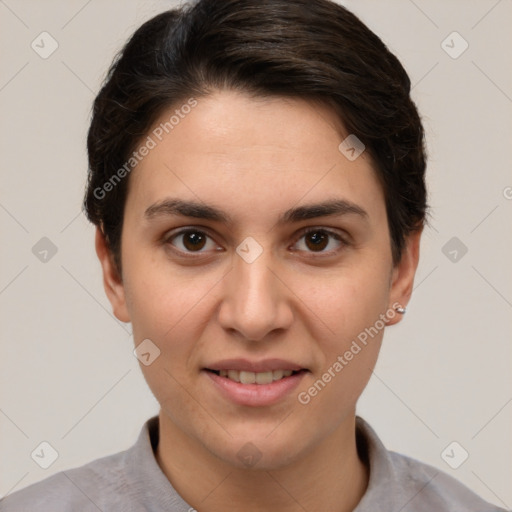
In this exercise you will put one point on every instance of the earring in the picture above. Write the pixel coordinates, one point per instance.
(400, 310)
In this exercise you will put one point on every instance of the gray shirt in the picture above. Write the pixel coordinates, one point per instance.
(132, 481)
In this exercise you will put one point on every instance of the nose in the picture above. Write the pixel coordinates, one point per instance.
(256, 300)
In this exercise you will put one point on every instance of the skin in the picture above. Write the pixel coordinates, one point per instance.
(295, 301)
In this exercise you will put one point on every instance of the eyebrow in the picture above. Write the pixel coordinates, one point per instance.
(332, 207)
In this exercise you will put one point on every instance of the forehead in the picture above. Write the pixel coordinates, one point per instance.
(251, 154)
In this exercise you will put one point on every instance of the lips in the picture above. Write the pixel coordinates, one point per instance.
(255, 383)
(254, 389)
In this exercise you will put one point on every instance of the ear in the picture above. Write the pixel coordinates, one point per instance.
(112, 282)
(402, 277)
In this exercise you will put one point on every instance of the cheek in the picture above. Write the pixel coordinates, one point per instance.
(166, 311)
(169, 312)
(348, 309)
(171, 308)
(345, 302)
(159, 295)
(348, 359)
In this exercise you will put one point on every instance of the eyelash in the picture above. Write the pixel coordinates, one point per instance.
(304, 232)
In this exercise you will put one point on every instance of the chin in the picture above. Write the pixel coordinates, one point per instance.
(257, 452)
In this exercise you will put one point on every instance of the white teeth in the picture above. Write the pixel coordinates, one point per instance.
(255, 378)
(277, 374)
(264, 378)
(247, 377)
(234, 375)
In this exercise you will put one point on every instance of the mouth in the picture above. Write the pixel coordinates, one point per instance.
(254, 383)
(247, 377)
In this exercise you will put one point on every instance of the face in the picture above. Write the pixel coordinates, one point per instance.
(283, 264)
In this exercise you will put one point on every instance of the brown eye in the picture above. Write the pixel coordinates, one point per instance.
(317, 240)
(194, 241)
(190, 240)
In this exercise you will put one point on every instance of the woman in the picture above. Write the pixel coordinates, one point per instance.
(257, 182)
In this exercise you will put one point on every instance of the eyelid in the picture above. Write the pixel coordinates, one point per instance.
(171, 235)
(330, 232)
(186, 229)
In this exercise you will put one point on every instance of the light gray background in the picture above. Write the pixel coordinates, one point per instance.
(68, 374)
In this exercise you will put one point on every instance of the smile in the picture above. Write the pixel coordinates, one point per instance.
(254, 389)
(246, 377)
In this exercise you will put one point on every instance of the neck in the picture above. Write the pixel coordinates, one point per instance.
(330, 477)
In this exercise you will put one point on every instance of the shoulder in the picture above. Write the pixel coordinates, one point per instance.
(428, 488)
(81, 488)
(399, 482)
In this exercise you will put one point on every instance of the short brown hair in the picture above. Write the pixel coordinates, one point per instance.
(310, 49)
